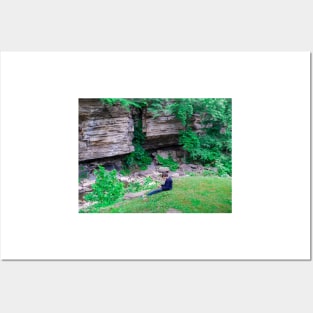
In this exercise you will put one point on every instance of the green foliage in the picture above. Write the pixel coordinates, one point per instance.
(191, 195)
(125, 103)
(169, 162)
(224, 165)
(208, 173)
(189, 140)
(125, 171)
(211, 145)
(139, 136)
(157, 106)
(192, 174)
(107, 189)
(138, 158)
(133, 187)
(182, 109)
(147, 184)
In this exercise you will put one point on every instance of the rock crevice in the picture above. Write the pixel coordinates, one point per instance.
(107, 131)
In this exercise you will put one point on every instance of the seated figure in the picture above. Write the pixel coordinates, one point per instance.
(168, 185)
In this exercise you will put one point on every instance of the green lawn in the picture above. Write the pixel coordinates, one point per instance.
(196, 194)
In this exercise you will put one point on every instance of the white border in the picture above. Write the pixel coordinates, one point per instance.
(271, 155)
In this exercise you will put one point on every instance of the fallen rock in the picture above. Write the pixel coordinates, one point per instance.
(163, 169)
(84, 205)
(174, 175)
(124, 179)
(84, 189)
(134, 195)
(87, 183)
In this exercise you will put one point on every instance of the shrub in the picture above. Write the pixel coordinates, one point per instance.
(133, 187)
(139, 158)
(125, 171)
(107, 189)
(189, 140)
(222, 169)
(169, 162)
(209, 173)
(148, 183)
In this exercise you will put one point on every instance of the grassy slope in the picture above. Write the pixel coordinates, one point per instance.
(194, 194)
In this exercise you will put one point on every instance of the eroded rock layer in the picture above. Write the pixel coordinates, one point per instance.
(160, 132)
(107, 131)
(104, 131)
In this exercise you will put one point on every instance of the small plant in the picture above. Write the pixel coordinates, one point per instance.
(147, 184)
(139, 158)
(169, 162)
(192, 174)
(125, 171)
(107, 189)
(133, 187)
(208, 173)
(222, 169)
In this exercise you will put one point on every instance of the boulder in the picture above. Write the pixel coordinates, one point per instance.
(87, 182)
(174, 175)
(163, 169)
(134, 195)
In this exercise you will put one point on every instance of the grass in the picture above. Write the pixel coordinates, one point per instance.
(197, 194)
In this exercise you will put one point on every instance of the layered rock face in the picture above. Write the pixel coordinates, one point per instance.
(104, 131)
(107, 131)
(161, 131)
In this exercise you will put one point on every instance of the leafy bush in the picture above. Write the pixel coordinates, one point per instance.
(224, 165)
(133, 187)
(222, 169)
(139, 158)
(107, 189)
(125, 171)
(169, 162)
(209, 173)
(189, 140)
(182, 109)
(192, 174)
(147, 184)
(139, 136)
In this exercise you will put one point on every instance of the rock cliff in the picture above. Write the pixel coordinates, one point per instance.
(106, 131)
(161, 131)
(103, 131)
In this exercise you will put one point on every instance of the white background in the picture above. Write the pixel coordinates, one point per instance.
(271, 155)
(151, 286)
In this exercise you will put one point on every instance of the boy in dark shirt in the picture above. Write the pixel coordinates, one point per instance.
(168, 185)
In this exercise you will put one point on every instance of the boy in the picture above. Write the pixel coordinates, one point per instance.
(168, 185)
